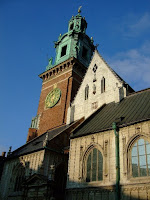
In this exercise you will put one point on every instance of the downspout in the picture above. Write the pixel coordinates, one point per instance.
(117, 193)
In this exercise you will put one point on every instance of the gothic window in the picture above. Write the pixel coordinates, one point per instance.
(63, 50)
(140, 158)
(86, 92)
(94, 166)
(103, 85)
(19, 178)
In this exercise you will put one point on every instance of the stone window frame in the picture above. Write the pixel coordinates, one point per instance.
(84, 162)
(130, 145)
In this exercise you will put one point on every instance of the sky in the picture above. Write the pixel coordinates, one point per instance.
(28, 29)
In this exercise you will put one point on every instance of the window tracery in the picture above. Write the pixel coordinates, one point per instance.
(94, 166)
(140, 158)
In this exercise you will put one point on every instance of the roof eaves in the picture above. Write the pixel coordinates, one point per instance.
(109, 128)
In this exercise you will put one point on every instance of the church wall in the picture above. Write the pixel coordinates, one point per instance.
(131, 188)
(31, 163)
(95, 100)
(138, 187)
(78, 147)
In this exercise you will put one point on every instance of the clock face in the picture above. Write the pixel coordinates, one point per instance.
(52, 98)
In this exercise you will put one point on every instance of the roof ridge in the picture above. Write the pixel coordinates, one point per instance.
(116, 75)
(137, 92)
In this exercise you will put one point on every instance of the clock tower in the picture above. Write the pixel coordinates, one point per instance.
(62, 79)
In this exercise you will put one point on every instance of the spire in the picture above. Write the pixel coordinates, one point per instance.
(74, 43)
(79, 9)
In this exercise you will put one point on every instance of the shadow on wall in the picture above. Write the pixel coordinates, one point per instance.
(28, 184)
(87, 192)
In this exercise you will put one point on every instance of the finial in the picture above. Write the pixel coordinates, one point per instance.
(79, 9)
(9, 152)
(96, 46)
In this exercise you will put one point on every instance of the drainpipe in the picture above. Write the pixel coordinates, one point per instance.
(117, 194)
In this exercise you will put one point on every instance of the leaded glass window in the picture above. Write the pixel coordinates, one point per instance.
(94, 167)
(140, 157)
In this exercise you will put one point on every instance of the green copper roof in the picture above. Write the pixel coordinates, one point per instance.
(74, 43)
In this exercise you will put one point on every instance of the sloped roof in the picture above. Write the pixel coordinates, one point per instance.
(114, 73)
(134, 108)
(37, 143)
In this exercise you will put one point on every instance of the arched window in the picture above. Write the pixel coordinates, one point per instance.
(103, 85)
(140, 158)
(19, 178)
(86, 92)
(94, 166)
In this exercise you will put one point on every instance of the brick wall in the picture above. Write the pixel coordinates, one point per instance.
(68, 82)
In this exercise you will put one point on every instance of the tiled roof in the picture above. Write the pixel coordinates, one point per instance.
(134, 108)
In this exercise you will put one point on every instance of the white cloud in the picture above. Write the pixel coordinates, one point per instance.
(134, 66)
(136, 25)
(141, 25)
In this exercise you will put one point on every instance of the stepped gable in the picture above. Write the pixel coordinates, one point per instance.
(132, 109)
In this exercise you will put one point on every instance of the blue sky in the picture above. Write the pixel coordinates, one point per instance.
(27, 31)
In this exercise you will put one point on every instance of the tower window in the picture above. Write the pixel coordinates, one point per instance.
(63, 50)
(103, 85)
(84, 53)
(71, 26)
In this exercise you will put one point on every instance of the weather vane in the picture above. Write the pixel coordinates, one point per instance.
(79, 9)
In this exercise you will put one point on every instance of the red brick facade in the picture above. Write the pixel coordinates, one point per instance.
(67, 77)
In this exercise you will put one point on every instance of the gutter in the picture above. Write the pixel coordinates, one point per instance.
(117, 193)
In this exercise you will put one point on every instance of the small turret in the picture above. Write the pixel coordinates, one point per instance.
(77, 23)
(74, 43)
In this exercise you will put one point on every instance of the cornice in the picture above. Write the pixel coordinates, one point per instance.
(64, 66)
